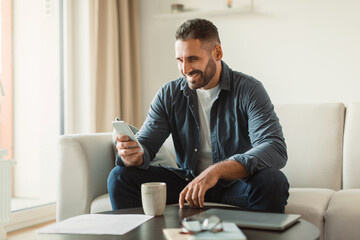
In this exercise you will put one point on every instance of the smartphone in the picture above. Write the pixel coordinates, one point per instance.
(123, 128)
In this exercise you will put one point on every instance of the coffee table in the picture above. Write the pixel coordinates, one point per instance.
(152, 229)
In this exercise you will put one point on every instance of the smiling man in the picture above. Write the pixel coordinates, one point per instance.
(228, 140)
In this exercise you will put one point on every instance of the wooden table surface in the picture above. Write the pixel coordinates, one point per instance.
(152, 229)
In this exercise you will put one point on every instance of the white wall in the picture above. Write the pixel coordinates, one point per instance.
(36, 98)
(302, 50)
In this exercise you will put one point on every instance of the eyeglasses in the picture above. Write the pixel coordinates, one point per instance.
(197, 224)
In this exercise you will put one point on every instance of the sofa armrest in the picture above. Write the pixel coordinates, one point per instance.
(85, 161)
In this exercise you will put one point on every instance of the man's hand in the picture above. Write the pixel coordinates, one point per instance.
(194, 192)
(129, 151)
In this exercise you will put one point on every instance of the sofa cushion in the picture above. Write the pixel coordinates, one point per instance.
(311, 203)
(342, 218)
(351, 159)
(101, 204)
(165, 157)
(314, 137)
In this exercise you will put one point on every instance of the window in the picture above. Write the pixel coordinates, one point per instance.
(30, 110)
(6, 130)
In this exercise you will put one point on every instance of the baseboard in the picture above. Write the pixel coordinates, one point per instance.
(30, 217)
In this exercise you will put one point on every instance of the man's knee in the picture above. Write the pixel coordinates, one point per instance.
(272, 181)
(274, 177)
(118, 176)
(272, 185)
(123, 187)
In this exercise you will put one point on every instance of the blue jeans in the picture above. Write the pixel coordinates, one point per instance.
(266, 190)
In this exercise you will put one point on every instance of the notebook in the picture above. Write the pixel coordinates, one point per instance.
(258, 220)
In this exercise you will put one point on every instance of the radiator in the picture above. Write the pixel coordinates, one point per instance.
(5, 192)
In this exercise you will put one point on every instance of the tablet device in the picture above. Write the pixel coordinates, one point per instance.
(123, 128)
(258, 220)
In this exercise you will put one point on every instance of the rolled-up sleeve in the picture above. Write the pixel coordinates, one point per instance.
(265, 133)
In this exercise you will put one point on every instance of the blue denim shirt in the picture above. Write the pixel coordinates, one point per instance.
(243, 125)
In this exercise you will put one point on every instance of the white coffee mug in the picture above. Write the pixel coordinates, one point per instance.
(153, 197)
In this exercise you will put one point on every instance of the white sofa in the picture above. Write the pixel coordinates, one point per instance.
(324, 157)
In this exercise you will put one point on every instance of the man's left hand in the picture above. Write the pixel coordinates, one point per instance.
(194, 192)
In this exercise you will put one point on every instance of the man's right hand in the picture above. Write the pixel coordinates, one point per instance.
(129, 151)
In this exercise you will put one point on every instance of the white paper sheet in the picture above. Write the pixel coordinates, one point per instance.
(112, 224)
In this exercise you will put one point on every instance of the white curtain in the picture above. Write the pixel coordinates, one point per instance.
(102, 64)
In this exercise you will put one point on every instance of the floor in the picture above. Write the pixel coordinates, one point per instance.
(26, 233)
(18, 204)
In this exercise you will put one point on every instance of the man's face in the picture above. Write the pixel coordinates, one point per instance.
(195, 63)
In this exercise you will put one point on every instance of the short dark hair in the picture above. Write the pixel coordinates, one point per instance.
(198, 28)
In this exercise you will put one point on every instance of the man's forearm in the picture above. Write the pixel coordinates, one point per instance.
(229, 170)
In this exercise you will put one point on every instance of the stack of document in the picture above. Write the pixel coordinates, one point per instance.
(112, 224)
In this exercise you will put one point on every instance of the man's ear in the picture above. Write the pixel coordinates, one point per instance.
(218, 54)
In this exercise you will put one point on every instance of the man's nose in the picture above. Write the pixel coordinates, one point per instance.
(186, 68)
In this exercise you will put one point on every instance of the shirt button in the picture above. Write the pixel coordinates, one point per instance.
(187, 179)
(195, 149)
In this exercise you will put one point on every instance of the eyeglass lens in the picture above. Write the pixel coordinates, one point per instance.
(194, 225)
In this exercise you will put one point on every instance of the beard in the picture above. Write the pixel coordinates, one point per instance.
(204, 76)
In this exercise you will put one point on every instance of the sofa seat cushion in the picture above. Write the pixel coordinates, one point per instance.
(101, 204)
(311, 203)
(342, 218)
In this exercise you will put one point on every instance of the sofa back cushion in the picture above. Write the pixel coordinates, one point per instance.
(351, 165)
(314, 137)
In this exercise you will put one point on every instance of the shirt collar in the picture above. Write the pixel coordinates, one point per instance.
(224, 82)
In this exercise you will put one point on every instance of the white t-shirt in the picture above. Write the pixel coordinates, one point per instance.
(206, 99)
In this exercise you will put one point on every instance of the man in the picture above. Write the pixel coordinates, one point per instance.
(228, 141)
